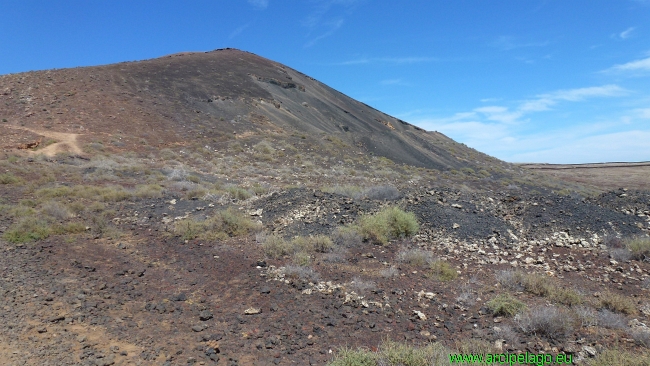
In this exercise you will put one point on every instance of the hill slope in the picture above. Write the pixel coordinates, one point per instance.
(179, 99)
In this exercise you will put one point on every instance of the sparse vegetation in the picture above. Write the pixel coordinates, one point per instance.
(615, 357)
(415, 257)
(618, 303)
(8, 178)
(539, 285)
(389, 223)
(393, 354)
(550, 322)
(224, 224)
(442, 270)
(639, 248)
(506, 305)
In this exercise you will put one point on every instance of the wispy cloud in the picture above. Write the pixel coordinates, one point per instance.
(508, 43)
(394, 82)
(544, 102)
(637, 65)
(626, 33)
(333, 27)
(238, 31)
(507, 132)
(259, 4)
(388, 60)
(321, 23)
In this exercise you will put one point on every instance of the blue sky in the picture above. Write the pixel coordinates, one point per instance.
(526, 81)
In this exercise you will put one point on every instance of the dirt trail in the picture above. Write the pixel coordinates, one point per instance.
(65, 141)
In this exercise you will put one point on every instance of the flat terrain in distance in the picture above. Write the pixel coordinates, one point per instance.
(605, 176)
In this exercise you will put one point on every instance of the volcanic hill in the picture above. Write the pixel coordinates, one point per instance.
(220, 208)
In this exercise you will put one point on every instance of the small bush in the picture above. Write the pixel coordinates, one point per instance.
(566, 296)
(586, 316)
(337, 255)
(617, 303)
(239, 193)
(620, 358)
(512, 280)
(224, 224)
(639, 248)
(361, 286)
(389, 223)
(415, 257)
(302, 259)
(614, 242)
(549, 322)
(347, 236)
(275, 246)
(442, 270)
(539, 285)
(148, 191)
(381, 193)
(301, 272)
(321, 243)
(611, 320)
(389, 272)
(641, 336)
(27, 229)
(505, 305)
(8, 178)
(56, 211)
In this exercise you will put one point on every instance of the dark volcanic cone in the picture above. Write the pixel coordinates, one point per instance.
(179, 99)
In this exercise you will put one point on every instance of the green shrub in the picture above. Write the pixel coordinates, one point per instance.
(27, 229)
(442, 270)
(617, 303)
(389, 223)
(639, 247)
(239, 193)
(148, 191)
(321, 243)
(8, 178)
(302, 259)
(275, 246)
(506, 305)
(393, 354)
(566, 296)
(224, 224)
(620, 358)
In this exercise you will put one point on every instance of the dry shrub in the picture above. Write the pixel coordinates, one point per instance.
(610, 320)
(415, 257)
(389, 272)
(303, 273)
(347, 236)
(549, 322)
(617, 303)
(361, 286)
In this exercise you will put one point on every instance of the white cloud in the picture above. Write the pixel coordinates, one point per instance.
(238, 31)
(389, 60)
(507, 43)
(643, 113)
(637, 65)
(391, 82)
(626, 33)
(503, 132)
(260, 4)
(575, 95)
(333, 27)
